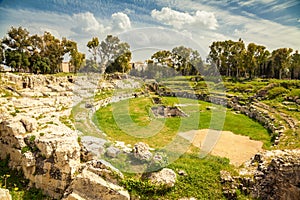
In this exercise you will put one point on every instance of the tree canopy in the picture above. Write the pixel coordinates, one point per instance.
(233, 59)
(113, 55)
(38, 54)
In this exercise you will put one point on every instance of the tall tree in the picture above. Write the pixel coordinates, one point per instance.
(93, 46)
(120, 64)
(1, 52)
(295, 66)
(186, 60)
(18, 42)
(164, 57)
(54, 50)
(281, 60)
(110, 49)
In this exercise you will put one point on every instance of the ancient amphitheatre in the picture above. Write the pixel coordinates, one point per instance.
(178, 128)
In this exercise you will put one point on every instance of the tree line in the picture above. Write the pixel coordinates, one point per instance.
(44, 54)
(233, 58)
(38, 53)
(165, 63)
(227, 58)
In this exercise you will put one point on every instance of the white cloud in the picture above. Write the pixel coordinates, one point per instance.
(87, 23)
(121, 21)
(182, 19)
(253, 2)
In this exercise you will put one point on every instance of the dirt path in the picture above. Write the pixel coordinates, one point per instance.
(237, 148)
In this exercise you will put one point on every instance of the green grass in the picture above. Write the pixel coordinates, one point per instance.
(201, 180)
(136, 123)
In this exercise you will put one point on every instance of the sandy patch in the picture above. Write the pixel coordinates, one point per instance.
(237, 148)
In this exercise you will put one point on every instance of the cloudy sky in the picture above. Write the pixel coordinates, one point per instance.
(150, 25)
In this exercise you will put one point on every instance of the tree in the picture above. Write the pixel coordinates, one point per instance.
(77, 60)
(17, 42)
(13, 59)
(110, 49)
(295, 66)
(93, 46)
(1, 53)
(120, 64)
(187, 60)
(163, 57)
(281, 61)
(54, 50)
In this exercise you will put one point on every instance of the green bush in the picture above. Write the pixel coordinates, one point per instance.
(294, 93)
(145, 189)
(276, 92)
(25, 149)
(32, 138)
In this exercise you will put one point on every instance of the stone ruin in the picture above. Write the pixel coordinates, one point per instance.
(167, 111)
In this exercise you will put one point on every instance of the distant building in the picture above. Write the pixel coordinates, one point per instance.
(139, 66)
(65, 67)
(5, 68)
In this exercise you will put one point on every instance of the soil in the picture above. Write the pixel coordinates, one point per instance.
(237, 148)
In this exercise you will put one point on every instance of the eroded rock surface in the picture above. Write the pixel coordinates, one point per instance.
(4, 194)
(141, 151)
(37, 135)
(165, 177)
(269, 175)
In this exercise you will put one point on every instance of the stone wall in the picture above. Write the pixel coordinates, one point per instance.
(270, 175)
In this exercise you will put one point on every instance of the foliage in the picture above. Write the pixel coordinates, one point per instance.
(143, 188)
(114, 55)
(294, 93)
(38, 54)
(16, 183)
(233, 59)
(276, 92)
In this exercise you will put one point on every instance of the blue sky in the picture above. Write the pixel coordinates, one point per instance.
(150, 25)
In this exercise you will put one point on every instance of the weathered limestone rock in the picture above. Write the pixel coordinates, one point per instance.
(112, 152)
(269, 175)
(49, 161)
(105, 170)
(30, 124)
(47, 151)
(141, 151)
(4, 194)
(88, 185)
(166, 177)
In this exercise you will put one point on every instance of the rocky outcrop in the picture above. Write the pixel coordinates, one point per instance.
(141, 152)
(165, 177)
(48, 161)
(97, 180)
(4, 194)
(35, 135)
(269, 175)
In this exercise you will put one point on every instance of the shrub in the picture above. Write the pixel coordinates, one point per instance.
(25, 149)
(144, 189)
(32, 138)
(294, 93)
(277, 91)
